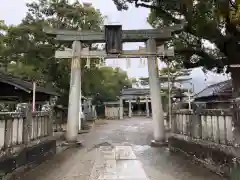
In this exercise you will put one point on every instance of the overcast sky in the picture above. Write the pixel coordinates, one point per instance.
(12, 11)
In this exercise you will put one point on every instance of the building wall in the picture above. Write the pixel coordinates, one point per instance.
(111, 112)
(218, 105)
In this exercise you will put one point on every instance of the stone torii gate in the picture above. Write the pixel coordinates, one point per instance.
(152, 38)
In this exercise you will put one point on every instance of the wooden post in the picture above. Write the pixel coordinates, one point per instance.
(50, 123)
(130, 108)
(27, 125)
(147, 106)
(236, 123)
(169, 98)
(8, 131)
(120, 108)
(197, 124)
(173, 121)
(34, 97)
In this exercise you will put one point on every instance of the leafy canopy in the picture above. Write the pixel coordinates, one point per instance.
(32, 52)
(212, 21)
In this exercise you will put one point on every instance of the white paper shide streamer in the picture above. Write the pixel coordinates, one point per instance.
(142, 62)
(98, 65)
(115, 62)
(102, 62)
(128, 63)
(88, 62)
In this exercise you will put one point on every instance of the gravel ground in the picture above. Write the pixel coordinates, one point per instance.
(158, 163)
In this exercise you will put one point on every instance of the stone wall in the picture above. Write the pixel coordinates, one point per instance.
(206, 136)
(25, 158)
(213, 157)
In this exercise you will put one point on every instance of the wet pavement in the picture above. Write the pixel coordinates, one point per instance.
(133, 134)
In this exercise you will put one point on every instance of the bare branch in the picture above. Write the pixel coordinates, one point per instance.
(160, 10)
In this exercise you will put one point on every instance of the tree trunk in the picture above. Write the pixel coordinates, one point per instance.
(230, 47)
(232, 51)
(235, 75)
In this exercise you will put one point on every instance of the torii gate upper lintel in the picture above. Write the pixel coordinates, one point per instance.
(141, 35)
(152, 37)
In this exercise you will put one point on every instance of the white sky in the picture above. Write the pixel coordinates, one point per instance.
(12, 11)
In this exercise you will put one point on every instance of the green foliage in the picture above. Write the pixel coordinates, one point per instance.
(215, 21)
(107, 85)
(175, 71)
(25, 72)
(3, 29)
(32, 51)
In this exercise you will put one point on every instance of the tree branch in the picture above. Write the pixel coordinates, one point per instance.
(187, 15)
(233, 4)
(160, 10)
(209, 60)
(214, 35)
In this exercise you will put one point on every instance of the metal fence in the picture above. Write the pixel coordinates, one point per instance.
(213, 125)
(19, 128)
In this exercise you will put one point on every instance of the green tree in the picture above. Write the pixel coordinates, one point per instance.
(107, 85)
(25, 72)
(29, 45)
(176, 74)
(3, 29)
(33, 51)
(214, 21)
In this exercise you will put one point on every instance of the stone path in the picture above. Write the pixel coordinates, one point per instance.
(119, 150)
(117, 163)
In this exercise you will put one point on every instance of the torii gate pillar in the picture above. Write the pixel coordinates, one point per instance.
(163, 34)
(74, 94)
(155, 89)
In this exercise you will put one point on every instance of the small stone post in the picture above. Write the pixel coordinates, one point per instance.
(147, 107)
(27, 124)
(80, 104)
(8, 130)
(50, 122)
(120, 108)
(130, 108)
(196, 123)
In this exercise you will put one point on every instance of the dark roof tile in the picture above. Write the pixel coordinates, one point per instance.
(25, 85)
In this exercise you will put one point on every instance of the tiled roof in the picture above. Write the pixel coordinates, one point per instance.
(135, 91)
(146, 91)
(217, 89)
(112, 102)
(25, 85)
